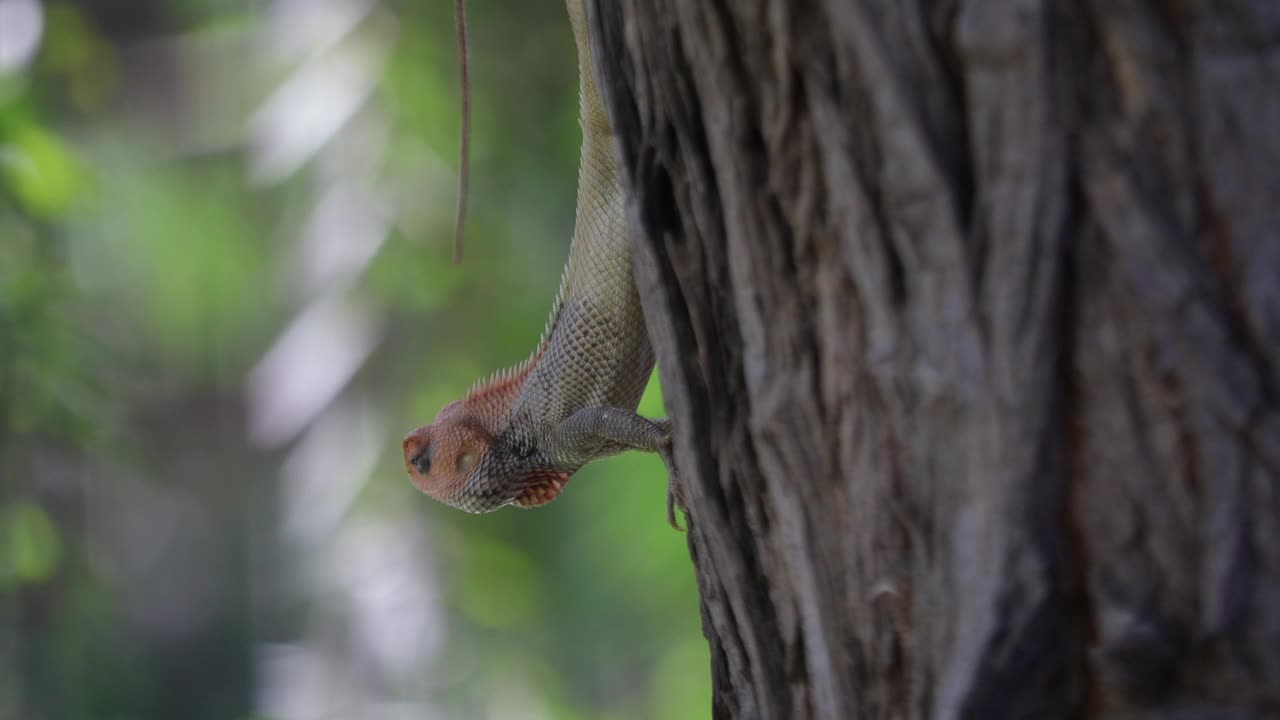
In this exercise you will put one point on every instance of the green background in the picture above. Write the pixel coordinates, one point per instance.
(225, 295)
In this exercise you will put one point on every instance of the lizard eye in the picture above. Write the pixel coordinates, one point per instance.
(466, 461)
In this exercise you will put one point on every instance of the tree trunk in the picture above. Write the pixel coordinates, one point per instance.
(968, 319)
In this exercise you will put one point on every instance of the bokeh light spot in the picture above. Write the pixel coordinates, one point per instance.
(21, 25)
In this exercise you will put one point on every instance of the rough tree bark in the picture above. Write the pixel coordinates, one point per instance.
(968, 318)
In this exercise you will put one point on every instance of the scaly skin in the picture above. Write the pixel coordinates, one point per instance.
(517, 438)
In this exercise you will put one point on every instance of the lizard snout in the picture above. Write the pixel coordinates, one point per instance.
(415, 446)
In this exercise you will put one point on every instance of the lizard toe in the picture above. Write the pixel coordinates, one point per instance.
(674, 500)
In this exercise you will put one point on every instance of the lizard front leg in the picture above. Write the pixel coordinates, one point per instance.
(596, 432)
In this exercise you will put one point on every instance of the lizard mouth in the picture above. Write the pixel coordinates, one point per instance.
(542, 489)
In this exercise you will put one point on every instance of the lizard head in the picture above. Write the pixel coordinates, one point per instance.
(442, 458)
(462, 463)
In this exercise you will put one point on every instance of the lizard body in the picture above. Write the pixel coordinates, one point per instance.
(518, 437)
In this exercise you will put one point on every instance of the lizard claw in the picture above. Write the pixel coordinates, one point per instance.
(675, 499)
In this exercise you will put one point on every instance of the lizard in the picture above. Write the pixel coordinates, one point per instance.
(516, 438)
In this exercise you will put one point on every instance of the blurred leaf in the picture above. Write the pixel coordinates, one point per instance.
(32, 542)
(43, 172)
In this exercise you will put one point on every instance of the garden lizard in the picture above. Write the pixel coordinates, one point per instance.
(516, 438)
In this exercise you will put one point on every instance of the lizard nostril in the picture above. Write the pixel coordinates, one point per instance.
(416, 451)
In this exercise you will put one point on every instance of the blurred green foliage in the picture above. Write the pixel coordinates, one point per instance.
(151, 561)
(32, 545)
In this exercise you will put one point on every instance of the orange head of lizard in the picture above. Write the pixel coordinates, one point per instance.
(441, 458)
(452, 460)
